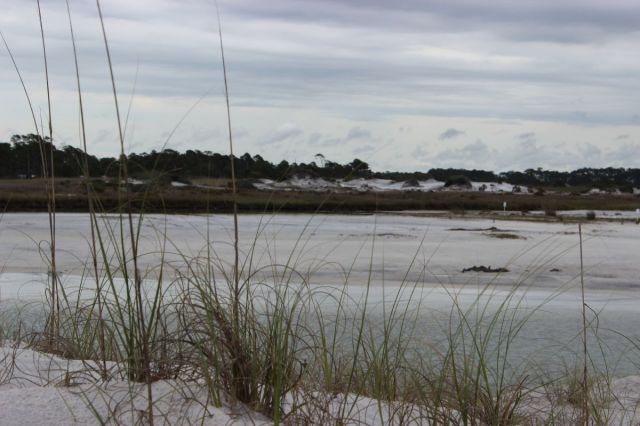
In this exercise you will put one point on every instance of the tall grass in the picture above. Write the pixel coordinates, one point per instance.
(47, 167)
(48, 171)
(585, 372)
(90, 201)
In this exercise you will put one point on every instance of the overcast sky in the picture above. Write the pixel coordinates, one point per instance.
(403, 85)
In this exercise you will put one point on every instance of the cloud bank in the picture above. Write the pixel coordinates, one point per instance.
(352, 71)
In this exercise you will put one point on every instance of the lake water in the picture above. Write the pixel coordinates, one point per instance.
(379, 256)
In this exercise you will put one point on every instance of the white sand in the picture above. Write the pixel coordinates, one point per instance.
(377, 185)
(41, 389)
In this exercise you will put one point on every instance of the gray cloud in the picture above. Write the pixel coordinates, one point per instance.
(283, 133)
(318, 139)
(528, 137)
(354, 134)
(363, 150)
(290, 58)
(419, 152)
(470, 156)
(589, 152)
(357, 133)
(619, 156)
(517, 18)
(450, 134)
(315, 137)
(343, 63)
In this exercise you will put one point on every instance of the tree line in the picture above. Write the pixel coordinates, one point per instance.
(23, 157)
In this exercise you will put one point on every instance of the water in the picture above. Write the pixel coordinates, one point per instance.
(550, 337)
(388, 252)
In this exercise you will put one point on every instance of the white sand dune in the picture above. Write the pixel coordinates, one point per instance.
(379, 185)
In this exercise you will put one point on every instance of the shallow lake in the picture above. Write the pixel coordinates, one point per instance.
(379, 256)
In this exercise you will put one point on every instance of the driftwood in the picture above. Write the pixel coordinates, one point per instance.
(491, 229)
(486, 269)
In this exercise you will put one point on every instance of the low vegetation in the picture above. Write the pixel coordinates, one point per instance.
(215, 195)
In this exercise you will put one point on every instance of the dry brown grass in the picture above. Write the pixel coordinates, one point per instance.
(215, 195)
(213, 183)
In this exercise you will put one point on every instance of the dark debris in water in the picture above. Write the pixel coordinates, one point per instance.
(383, 235)
(485, 269)
(491, 229)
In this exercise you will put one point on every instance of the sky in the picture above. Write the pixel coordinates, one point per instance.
(403, 85)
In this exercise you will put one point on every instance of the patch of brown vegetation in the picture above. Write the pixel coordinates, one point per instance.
(214, 195)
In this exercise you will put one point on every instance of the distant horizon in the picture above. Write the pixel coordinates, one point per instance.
(497, 85)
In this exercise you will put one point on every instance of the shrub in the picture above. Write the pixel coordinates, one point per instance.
(244, 184)
(458, 180)
(98, 185)
(411, 183)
